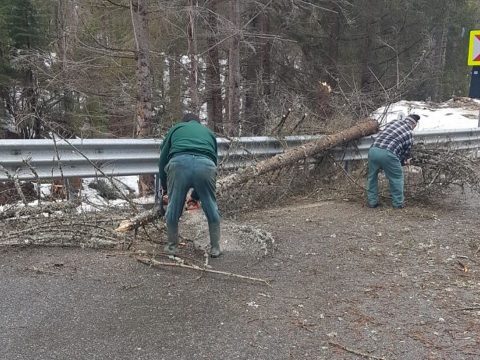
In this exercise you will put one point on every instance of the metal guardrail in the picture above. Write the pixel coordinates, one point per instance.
(119, 157)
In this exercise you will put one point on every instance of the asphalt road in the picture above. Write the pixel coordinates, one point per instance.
(346, 280)
(84, 304)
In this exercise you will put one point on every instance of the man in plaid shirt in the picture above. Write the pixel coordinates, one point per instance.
(390, 150)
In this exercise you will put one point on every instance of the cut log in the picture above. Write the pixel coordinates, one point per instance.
(285, 159)
(141, 219)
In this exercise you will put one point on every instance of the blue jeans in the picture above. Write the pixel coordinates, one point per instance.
(381, 159)
(187, 171)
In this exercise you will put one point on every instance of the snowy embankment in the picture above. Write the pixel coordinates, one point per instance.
(462, 113)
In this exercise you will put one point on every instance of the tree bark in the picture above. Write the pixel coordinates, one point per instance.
(440, 56)
(65, 24)
(192, 52)
(234, 71)
(333, 28)
(213, 83)
(265, 52)
(252, 115)
(174, 92)
(30, 93)
(285, 159)
(143, 113)
(366, 56)
(293, 155)
(254, 119)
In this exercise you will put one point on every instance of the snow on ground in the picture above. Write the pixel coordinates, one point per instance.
(127, 184)
(129, 181)
(91, 199)
(449, 115)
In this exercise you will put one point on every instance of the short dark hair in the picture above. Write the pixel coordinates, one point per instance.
(189, 117)
(414, 117)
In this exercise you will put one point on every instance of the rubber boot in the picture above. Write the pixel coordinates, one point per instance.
(214, 230)
(172, 238)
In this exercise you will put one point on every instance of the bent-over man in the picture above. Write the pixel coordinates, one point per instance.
(390, 150)
(189, 160)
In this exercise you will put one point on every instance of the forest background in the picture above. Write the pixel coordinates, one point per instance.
(130, 68)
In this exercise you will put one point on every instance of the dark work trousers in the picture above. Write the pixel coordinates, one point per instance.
(187, 171)
(381, 159)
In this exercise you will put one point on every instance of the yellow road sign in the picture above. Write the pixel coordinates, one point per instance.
(474, 48)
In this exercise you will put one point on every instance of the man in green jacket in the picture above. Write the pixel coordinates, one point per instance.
(189, 160)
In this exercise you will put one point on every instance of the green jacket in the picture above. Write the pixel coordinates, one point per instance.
(187, 138)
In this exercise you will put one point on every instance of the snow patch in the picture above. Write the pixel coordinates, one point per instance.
(449, 115)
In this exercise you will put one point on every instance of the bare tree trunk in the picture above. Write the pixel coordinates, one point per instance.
(213, 82)
(192, 51)
(32, 126)
(293, 155)
(365, 72)
(234, 71)
(31, 93)
(333, 28)
(143, 113)
(65, 22)
(252, 116)
(370, 33)
(174, 107)
(441, 38)
(226, 102)
(252, 70)
(62, 32)
(265, 52)
(285, 159)
(257, 76)
(329, 77)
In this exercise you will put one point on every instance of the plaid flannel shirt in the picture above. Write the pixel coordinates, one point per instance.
(397, 138)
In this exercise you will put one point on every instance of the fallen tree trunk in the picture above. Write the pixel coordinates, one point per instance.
(289, 157)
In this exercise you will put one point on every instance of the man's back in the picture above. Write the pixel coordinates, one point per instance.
(396, 137)
(191, 138)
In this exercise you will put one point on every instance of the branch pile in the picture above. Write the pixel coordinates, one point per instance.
(46, 208)
(81, 230)
(443, 168)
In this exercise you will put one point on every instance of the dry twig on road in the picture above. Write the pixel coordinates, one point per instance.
(156, 263)
(356, 352)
